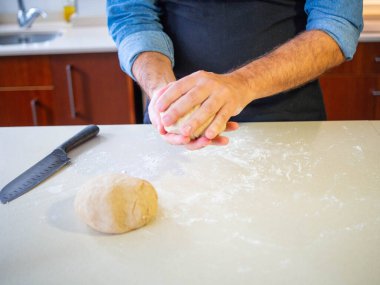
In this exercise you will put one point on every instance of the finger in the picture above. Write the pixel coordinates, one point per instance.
(220, 141)
(155, 119)
(198, 143)
(176, 139)
(231, 126)
(162, 90)
(219, 123)
(173, 91)
(161, 130)
(183, 105)
(200, 117)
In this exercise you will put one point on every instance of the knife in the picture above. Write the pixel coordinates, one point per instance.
(46, 167)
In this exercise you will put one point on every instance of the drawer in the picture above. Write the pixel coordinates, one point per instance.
(26, 108)
(25, 71)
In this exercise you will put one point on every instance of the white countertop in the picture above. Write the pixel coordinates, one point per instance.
(283, 203)
(74, 39)
(88, 39)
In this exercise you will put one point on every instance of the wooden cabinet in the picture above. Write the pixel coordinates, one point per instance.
(26, 91)
(91, 89)
(26, 108)
(352, 90)
(65, 90)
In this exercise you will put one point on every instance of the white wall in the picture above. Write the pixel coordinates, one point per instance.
(86, 7)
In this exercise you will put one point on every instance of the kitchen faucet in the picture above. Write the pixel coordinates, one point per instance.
(27, 17)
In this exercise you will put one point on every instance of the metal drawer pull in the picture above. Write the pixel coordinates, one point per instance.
(376, 92)
(377, 59)
(33, 105)
(73, 111)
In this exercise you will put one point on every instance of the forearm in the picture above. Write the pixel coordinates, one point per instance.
(292, 64)
(135, 27)
(152, 71)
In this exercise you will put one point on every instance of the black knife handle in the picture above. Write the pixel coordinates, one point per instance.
(81, 137)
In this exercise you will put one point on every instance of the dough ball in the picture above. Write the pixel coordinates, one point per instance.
(116, 203)
(176, 127)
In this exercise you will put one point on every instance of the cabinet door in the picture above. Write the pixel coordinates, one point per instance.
(376, 94)
(25, 71)
(349, 97)
(350, 90)
(25, 91)
(91, 89)
(26, 108)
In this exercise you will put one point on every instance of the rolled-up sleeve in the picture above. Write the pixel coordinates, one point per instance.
(135, 27)
(341, 19)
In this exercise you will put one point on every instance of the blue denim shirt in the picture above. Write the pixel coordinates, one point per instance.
(135, 27)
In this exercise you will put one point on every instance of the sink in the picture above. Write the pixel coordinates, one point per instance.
(27, 37)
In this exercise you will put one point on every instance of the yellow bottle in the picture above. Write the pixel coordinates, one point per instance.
(68, 10)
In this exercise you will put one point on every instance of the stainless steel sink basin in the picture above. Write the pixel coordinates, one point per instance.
(27, 37)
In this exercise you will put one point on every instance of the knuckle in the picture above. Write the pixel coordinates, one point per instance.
(196, 121)
(208, 108)
(201, 72)
(224, 117)
(204, 76)
(224, 90)
(193, 97)
(174, 112)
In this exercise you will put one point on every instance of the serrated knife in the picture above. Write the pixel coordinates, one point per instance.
(45, 167)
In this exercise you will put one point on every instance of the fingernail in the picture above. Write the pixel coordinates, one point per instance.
(210, 135)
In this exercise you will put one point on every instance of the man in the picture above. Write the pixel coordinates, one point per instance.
(249, 60)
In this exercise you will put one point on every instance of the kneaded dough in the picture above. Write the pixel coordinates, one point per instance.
(116, 203)
(176, 127)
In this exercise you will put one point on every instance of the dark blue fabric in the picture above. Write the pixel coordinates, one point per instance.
(219, 36)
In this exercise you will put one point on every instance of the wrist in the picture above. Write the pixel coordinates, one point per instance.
(152, 71)
(243, 85)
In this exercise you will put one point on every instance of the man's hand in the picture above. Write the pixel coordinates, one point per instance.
(153, 72)
(220, 97)
(289, 66)
(175, 139)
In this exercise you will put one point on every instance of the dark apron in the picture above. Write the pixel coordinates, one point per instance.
(221, 35)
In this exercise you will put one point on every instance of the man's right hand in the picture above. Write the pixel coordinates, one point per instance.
(153, 72)
(176, 139)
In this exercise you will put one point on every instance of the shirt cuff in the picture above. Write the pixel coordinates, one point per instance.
(345, 33)
(139, 42)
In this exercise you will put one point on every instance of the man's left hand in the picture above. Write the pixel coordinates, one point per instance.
(219, 96)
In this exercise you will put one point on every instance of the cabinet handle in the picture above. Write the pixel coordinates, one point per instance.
(375, 92)
(377, 58)
(33, 105)
(73, 111)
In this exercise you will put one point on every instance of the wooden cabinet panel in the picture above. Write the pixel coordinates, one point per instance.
(25, 71)
(101, 92)
(365, 61)
(26, 108)
(376, 94)
(348, 98)
(349, 89)
(25, 80)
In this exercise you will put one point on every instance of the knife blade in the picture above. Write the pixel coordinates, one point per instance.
(46, 167)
